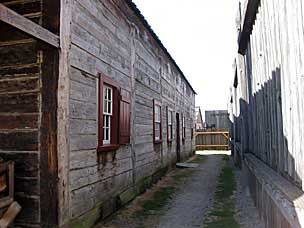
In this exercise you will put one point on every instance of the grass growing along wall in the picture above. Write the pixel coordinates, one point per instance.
(222, 213)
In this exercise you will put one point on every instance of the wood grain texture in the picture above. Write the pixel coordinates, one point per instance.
(28, 98)
(268, 107)
(108, 38)
(10, 17)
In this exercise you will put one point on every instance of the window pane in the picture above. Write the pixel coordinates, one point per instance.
(105, 110)
(170, 132)
(106, 129)
(109, 94)
(170, 117)
(105, 124)
(110, 107)
(157, 131)
(104, 93)
(106, 133)
(107, 100)
(157, 113)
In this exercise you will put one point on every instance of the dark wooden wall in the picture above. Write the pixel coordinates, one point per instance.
(28, 101)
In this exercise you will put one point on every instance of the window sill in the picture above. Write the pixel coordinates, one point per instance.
(158, 141)
(106, 148)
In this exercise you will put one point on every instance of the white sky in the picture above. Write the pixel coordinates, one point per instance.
(201, 36)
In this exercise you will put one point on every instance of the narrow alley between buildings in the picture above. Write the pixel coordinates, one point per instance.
(209, 195)
(101, 127)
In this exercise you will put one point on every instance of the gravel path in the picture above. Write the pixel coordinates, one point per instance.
(189, 205)
(247, 214)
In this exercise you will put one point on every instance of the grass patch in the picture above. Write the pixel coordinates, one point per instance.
(226, 184)
(222, 214)
(182, 175)
(159, 199)
(153, 206)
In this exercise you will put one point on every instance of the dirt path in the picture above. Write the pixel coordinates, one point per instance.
(189, 205)
(179, 200)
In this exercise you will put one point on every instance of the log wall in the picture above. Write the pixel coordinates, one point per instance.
(28, 101)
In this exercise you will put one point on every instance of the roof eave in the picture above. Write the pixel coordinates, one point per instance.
(148, 27)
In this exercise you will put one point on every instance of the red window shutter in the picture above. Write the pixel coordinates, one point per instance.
(124, 117)
(115, 116)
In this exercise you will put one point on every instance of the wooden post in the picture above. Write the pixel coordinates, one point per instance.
(62, 114)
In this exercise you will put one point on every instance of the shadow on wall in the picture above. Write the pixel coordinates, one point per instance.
(258, 132)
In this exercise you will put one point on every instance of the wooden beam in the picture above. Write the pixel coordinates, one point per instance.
(212, 145)
(226, 135)
(211, 132)
(16, 20)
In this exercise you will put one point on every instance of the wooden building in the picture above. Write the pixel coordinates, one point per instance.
(93, 109)
(217, 119)
(199, 123)
(267, 105)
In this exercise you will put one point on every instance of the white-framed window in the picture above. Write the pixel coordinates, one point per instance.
(170, 124)
(183, 128)
(157, 116)
(107, 113)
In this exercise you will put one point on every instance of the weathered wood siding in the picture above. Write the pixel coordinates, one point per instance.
(99, 44)
(270, 102)
(28, 85)
(275, 63)
(217, 119)
(210, 139)
(108, 37)
(280, 203)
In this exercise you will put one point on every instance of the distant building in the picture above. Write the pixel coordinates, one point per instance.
(198, 119)
(217, 119)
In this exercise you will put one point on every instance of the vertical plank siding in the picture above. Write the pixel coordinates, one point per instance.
(270, 89)
(277, 68)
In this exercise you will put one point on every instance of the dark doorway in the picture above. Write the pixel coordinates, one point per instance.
(177, 138)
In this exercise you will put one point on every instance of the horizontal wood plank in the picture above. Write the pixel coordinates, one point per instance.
(15, 141)
(16, 20)
(28, 121)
